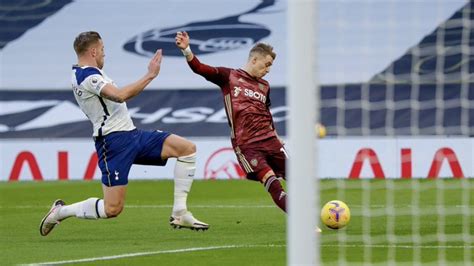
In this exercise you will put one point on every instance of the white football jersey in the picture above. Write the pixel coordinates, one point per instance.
(106, 116)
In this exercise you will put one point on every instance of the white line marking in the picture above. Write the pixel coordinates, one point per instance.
(164, 206)
(139, 254)
(203, 206)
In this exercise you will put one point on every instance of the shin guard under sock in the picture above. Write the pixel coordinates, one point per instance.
(273, 186)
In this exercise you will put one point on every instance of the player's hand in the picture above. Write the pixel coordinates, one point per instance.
(182, 39)
(155, 64)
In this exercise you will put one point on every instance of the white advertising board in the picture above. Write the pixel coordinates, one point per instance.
(396, 158)
(74, 159)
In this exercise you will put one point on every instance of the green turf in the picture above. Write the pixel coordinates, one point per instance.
(246, 229)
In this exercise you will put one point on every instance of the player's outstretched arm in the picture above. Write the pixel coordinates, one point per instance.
(216, 75)
(115, 94)
(182, 41)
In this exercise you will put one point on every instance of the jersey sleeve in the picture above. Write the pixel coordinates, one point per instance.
(216, 75)
(95, 83)
(90, 79)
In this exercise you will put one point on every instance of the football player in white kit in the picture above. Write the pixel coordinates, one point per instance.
(119, 144)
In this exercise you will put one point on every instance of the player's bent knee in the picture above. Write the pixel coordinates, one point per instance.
(113, 210)
(187, 148)
(265, 174)
(176, 146)
(191, 148)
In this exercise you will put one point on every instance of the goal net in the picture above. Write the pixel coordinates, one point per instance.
(406, 74)
(425, 86)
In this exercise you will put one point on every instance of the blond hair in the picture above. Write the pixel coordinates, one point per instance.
(262, 49)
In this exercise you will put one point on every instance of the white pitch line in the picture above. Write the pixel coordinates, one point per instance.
(204, 206)
(164, 206)
(139, 254)
(158, 206)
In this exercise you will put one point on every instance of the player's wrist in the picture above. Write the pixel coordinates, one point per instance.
(187, 51)
(150, 76)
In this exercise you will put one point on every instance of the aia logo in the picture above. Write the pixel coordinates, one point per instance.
(212, 36)
(222, 164)
(443, 154)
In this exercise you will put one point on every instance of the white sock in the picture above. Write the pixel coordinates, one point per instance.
(91, 208)
(183, 179)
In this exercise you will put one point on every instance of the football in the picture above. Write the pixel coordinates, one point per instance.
(320, 130)
(335, 214)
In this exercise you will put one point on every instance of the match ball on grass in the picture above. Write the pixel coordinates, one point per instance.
(335, 214)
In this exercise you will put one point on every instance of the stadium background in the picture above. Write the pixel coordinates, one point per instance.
(396, 98)
(377, 126)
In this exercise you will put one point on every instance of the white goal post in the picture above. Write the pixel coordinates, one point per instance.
(301, 91)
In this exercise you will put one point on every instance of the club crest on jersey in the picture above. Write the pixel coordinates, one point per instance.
(261, 86)
(254, 162)
(237, 91)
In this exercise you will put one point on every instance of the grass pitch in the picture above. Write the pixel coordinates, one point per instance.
(246, 228)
